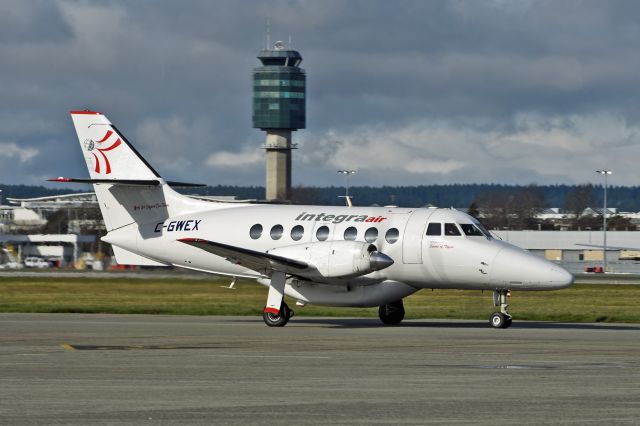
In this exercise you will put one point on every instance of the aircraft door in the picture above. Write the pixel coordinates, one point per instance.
(413, 235)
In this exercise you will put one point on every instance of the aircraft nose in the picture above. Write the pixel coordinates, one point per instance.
(379, 261)
(560, 278)
(517, 269)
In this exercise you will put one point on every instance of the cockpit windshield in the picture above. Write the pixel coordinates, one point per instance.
(482, 229)
(470, 230)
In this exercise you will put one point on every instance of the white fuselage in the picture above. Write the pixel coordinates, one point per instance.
(470, 260)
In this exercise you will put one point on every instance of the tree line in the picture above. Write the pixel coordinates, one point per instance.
(500, 206)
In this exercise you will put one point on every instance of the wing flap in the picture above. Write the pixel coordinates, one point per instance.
(264, 263)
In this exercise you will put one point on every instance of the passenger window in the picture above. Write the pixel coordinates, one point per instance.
(371, 235)
(392, 235)
(471, 230)
(350, 233)
(434, 229)
(322, 233)
(297, 232)
(450, 229)
(256, 231)
(276, 232)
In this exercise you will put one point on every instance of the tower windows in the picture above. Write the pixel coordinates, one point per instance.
(287, 95)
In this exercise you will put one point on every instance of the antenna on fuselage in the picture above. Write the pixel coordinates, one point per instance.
(347, 199)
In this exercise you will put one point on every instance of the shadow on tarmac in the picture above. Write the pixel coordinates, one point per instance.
(375, 323)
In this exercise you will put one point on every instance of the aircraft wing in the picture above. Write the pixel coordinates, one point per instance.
(264, 263)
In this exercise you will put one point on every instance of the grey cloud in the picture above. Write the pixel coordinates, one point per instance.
(24, 22)
(447, 80)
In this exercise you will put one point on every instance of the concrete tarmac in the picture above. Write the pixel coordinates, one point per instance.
(176, 370)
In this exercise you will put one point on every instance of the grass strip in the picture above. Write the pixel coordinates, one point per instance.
(580, 303)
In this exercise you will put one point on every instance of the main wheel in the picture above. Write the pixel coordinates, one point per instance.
(509, 320)
(280, 319)
(392, 313)
(500, 320)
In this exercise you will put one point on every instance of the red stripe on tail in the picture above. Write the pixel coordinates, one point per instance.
(106, 136)
(95, 157)
(115, 145)
(106, 162)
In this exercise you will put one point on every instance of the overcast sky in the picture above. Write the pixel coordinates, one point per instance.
(406, 92)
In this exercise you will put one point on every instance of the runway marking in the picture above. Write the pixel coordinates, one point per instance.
(513, 367)
(72, 348)
(138, 347)
(274, 356)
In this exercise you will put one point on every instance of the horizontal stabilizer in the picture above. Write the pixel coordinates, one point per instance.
(255, 260)
(125, 257)
(126, 182)
(185, 184)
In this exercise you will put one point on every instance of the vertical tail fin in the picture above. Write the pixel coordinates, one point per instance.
(107, 152)
(129, 190)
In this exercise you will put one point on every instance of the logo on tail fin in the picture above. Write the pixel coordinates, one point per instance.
(91, 145)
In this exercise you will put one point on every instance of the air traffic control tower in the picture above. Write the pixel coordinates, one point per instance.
(279, 88)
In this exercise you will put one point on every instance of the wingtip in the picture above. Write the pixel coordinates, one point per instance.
(59, 179)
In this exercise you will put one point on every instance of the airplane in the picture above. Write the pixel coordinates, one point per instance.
(323, 255)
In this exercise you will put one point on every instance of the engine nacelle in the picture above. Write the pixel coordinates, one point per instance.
(336, 259)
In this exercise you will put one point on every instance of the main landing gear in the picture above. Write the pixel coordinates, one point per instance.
(280, 319)
(392, 313)
(500, 319)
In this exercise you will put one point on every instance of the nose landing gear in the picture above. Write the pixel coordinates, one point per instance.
(500, 319)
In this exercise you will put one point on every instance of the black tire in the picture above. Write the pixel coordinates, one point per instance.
(278, 320)
(392, 313)
(508, 323)
(500, 320)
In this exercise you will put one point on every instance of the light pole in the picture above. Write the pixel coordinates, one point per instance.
(348, 174)
(605, 173)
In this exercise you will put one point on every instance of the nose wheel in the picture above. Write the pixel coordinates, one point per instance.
(500, 319)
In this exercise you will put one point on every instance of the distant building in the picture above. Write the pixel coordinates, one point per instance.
(579, 250)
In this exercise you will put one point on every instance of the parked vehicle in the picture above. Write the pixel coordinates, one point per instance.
(8, 260)
(36, 262)
(11, 265)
